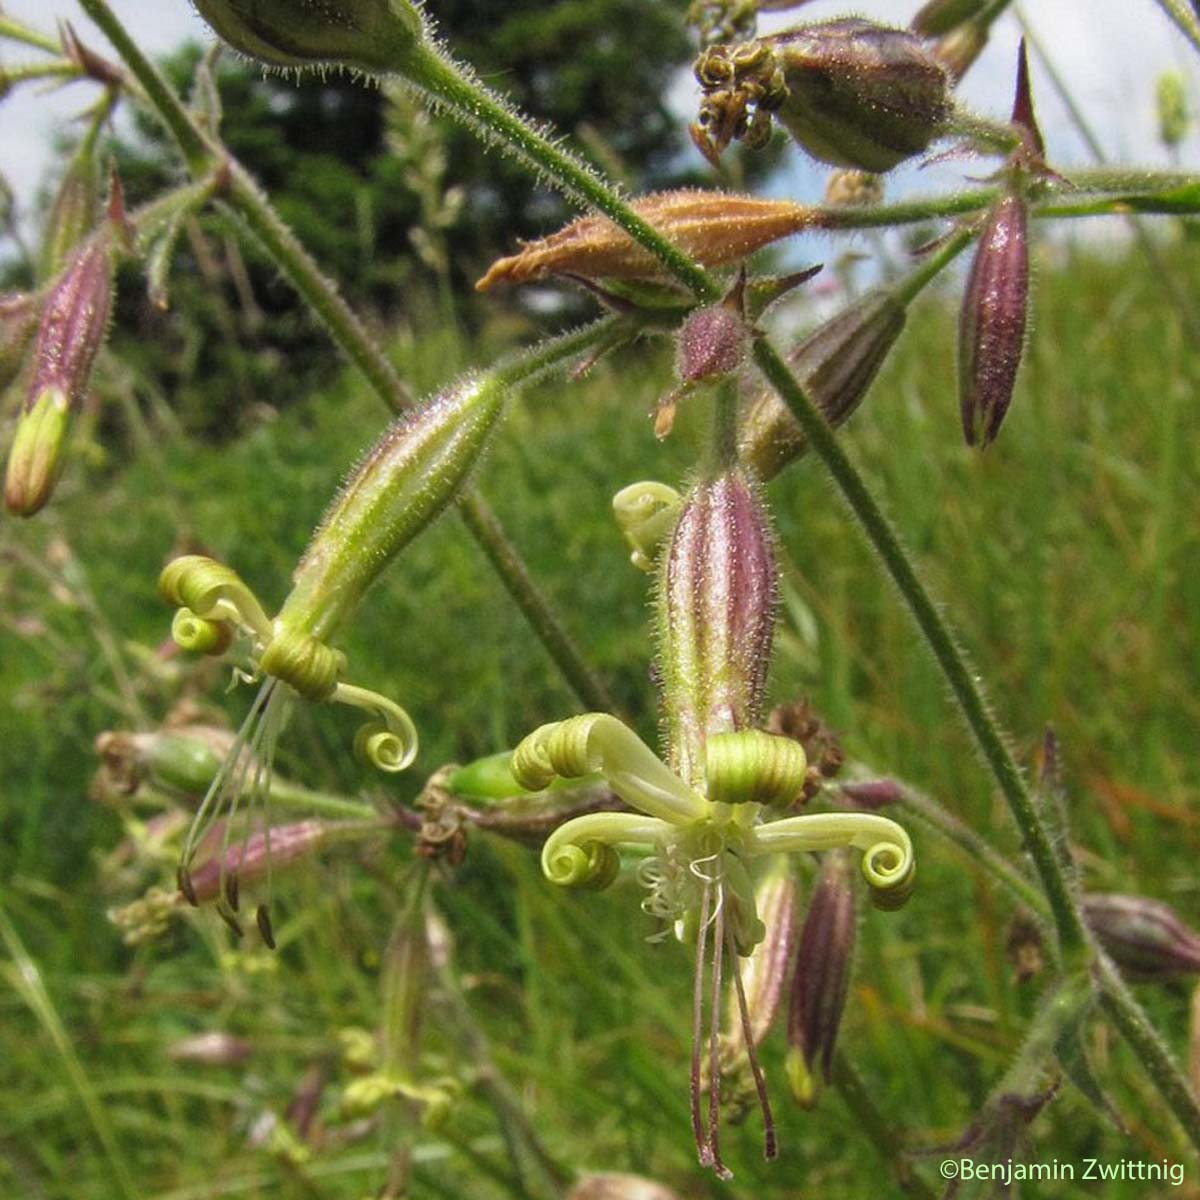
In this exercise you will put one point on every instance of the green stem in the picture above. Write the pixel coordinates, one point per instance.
(725, 423)
(977, 848)
(938, 636)
(26, 980)
(1148, 1046)
(494, 120)
(1183, 20)
(16, 32)
(908, 288)
(251, 204)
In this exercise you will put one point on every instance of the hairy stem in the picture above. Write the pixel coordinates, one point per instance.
(1183, 19)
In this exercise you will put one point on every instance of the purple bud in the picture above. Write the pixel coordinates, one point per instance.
(1146, 938)
(991, 331)
(836, 363)
(279, 846)
(74, 323)
(1023, 116)
(716, 617)
(873, 794)
(712, 343)
(822, 978)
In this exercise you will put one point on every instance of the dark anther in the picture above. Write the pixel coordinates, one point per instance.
(183, 878)
(227, 915)
(263, 919)
(231, 890)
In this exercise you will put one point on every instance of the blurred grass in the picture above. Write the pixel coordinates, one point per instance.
(1067, 556)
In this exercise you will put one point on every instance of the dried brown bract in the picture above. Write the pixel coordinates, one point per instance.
(715, 228)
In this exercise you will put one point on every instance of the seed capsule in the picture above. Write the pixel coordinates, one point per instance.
(1146, 938)
(74, 323)
(367, 35)
(822, 979)
(836, 363)
(991, 331)
(716, 616)
(851, 93)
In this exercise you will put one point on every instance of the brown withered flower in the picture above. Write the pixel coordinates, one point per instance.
(715, 228)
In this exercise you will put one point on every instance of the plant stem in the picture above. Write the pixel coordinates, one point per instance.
(1148, 1046)
(1182, 19)
(285, 250)
(725, 423)
(477, 106)
(16, 32)
(977, 848)
(938, 636)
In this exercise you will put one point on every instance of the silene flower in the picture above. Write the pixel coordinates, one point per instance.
(398, 488)
(721, 814)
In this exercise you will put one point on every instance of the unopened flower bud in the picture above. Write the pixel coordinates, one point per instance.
(873, 794)
(415, 469)
(1146, 938)
(1173, 116)
(74, 323)
(851, 92)
(716, 606)
(715, 228)
(712, 343)
(365, 35)
(958, 49)
(940, 16)
(850, 188)
(248, 861)
(836, 363)
(991, 332)
(822, 979)
(18, 320)
(75, 210)
(215, 1049)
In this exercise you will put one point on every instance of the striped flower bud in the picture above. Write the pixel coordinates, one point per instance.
(991, 331)
(18, 320)
(74, 324)
(940, 16)
(365, 35)
(716, 617)
(836, 363)
(715, 228)
(1146, 938)
(75, 210)
(822, 979)
(247, 862)
(851, 93)
(415, 469)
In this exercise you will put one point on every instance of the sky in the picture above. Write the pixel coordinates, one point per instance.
(1110, 51)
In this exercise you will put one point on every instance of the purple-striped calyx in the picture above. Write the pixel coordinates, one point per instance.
(991, 331)
(836, 363)
(73, 325)
(851, 92)
(822, 979)
(1146, 938)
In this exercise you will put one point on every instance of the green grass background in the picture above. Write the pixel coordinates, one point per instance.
(1066, 555)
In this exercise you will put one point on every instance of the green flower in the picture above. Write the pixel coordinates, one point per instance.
(700, 850)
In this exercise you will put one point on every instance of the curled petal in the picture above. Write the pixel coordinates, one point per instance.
(303, 662)
(214, 591)
(645, 513)
(199, 635)
(753, 766)
(390, 742)
(580, 853)
(888, 862)
(597, 743)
